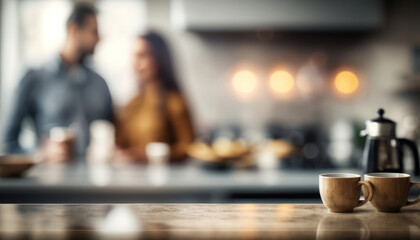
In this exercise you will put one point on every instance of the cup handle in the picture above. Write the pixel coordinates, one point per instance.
(369, 194)
(412, 184)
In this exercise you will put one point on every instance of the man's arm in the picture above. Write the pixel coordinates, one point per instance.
(19, 109)
(110, 114)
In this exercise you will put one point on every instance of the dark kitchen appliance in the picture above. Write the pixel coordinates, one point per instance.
(383, 151)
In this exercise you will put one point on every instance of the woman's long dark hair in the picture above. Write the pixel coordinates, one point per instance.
(163, 60)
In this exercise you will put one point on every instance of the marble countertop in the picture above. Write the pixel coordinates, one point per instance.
(204, 221)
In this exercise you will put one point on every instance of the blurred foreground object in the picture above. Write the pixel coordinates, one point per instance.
(120, 222)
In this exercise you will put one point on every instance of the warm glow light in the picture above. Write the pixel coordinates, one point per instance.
(281, 82)
(346, 82)
(244, 82)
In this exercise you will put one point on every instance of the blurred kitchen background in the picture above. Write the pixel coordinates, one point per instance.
(306, 72)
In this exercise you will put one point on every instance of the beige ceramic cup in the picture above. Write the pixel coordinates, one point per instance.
(340, 192)
(391, 191)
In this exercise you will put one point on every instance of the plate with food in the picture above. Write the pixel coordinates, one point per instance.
(15, 165)
(236, 153)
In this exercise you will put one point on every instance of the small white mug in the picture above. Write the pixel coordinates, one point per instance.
(158, 152)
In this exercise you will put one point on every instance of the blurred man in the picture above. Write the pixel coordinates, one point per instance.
(64, 96)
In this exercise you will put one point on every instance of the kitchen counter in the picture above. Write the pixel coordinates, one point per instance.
(103, 183)
(204, 221)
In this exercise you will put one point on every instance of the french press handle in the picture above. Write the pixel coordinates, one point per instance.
(413, 147)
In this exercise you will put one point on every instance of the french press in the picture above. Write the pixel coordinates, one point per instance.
(383, 150)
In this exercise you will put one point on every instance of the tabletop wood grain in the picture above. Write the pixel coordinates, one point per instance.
(204, 221)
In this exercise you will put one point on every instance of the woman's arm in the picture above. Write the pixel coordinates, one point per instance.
(181, 124)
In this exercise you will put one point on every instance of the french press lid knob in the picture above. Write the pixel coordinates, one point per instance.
(381, 118)
(381, 112)
(380, 127)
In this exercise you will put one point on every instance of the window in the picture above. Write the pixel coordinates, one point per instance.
(119, 23)
(42, 29)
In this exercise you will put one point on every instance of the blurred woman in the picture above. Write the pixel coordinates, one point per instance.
(158, 113)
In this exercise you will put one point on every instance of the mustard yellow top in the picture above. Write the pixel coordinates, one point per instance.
(155, 116)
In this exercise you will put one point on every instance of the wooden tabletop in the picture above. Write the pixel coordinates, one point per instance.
(204, 221)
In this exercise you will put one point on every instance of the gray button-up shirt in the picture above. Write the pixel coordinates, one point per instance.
(56, 96)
